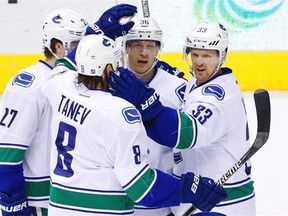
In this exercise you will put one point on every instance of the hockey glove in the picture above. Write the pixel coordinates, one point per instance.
(109, 24)
(129, 87)
(168, 68)
(202, 192)
(15, 206)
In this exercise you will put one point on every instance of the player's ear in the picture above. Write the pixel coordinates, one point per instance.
(59, 49)
(106, 73)
(108, 69)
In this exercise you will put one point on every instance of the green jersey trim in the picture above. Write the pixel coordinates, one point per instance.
(11, 155)
(37, 189)
(239, 192)
(90, 199)
(188, 131)
(142, 185)
(66, 62)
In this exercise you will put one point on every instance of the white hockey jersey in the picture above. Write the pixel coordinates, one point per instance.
(24, 130)
(98, 151)
(219, 109)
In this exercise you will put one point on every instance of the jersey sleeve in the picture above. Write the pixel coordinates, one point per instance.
(143, 184)
(17, 127)
(173, 129)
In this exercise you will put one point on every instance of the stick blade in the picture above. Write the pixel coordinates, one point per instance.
(263, 110)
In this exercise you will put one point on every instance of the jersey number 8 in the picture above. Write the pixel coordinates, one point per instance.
(64, 159)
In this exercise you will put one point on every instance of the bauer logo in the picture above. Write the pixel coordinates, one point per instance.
(23, 79)
(131, 115)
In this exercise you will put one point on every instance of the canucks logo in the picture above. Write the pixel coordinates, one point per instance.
(214, 90)
(236, 15)
(57, 19)
(24, 79)
(131, 115)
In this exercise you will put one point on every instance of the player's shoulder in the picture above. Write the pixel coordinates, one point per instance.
(168, 81)
(169, 78)
(121, 111)
(29, 79)
(59, 80)
(223, 88)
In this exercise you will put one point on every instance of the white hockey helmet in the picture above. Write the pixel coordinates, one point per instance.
(144, 29)
(93, 54)
(212, 36)
(64, 25)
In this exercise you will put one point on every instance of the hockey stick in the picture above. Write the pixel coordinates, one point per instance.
(262, 103)
(145, 8)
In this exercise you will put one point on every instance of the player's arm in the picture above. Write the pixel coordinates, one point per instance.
(170, 69)
(108, 25)
(165, 125)
(203, 192)
(172, 128)
(150, 187)
(16, 126)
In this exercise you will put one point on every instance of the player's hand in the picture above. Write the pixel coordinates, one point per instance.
(16, 205)
(109, 22)
(127, 86)
(168, 68)
(202, 192)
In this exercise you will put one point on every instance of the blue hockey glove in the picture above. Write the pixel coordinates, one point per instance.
(109, 24)
(15, 206)
(129, 87)
(202, 192)
(168, 68)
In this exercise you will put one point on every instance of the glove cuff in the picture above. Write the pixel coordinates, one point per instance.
(15, 205)
(150, 108)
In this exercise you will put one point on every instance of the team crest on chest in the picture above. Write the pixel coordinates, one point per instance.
(214, 90)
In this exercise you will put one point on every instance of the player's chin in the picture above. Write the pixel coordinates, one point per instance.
(201, 76)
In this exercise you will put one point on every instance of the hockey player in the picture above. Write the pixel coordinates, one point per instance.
(211, 123)
(98, 156)
(142, 46)
(24, 128)
(24, 117)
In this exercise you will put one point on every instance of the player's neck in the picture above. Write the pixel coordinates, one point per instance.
(147, 76)
(50, 61)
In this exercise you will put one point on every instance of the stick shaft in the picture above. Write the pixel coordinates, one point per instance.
(145, 8)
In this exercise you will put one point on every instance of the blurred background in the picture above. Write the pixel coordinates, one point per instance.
(258, 31)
